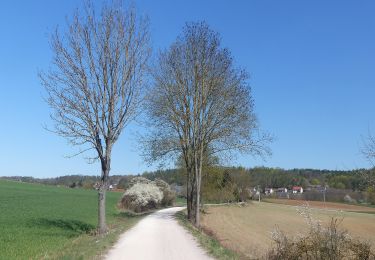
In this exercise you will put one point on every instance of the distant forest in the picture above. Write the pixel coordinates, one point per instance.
(261, 177)
(228, 184)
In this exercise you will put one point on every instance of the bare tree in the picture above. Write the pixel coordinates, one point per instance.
(200, 104)
(368, 151)
(96, 81)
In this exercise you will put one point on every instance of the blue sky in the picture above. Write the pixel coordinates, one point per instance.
(312, 67)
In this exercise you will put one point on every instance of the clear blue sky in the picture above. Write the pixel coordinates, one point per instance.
(312, 66)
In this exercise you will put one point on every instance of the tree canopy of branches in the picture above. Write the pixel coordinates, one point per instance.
(368, 150)
(200, 103)
(96, 81)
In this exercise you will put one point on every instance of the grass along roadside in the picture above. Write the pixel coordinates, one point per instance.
(179, 202)
(88, 246)
(48, 222)
(209, 243)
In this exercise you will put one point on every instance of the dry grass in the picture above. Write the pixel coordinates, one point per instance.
(324, 205)
(248, 229)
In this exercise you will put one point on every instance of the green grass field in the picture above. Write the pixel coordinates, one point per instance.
(179, 202)
(38, 221)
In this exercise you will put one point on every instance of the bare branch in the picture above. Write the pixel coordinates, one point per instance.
(368, 150)
(200, 102)
(96, 81)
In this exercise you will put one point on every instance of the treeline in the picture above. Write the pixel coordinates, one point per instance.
(228, 184)
(238, 184)
(171, 176)
(265, 177)
(339, 179)
(222, 177)
(72, 181)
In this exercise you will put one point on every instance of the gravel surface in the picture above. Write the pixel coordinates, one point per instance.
(157, 237)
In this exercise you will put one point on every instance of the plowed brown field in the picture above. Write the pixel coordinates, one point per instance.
(248, 229)
(323, 205)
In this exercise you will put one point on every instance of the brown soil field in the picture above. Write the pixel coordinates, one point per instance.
(247, 229)
(322, 205)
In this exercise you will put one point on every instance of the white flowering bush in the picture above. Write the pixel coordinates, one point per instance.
(136, 180)
(168, 194)
(142, 197)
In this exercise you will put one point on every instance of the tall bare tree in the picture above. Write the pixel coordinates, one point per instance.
(96, 81)
(200, 105)
(368, 151)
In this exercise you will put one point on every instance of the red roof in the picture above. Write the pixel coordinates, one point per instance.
(297, 188)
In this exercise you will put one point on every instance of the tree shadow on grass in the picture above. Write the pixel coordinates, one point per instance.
(128, 214)
(132, 214)
(74, 227)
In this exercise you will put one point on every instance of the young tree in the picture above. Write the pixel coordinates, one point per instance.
(200, 105)
(96, 81)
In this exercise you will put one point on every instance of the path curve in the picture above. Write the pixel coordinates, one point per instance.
(157, 237)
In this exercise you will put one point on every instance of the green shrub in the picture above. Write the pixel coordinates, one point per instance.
(370, 195)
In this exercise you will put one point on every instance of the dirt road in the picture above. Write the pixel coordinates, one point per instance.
(158, 237)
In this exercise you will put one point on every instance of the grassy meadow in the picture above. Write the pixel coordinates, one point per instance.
(247, 229)
(43, 222)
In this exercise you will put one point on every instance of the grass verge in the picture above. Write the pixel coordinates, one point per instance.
(208, 242)
(89, 246)
(179, 202)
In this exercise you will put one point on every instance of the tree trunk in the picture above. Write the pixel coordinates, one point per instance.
(102, 225)
(198, 179)
(188, 199)
(198, 189)
(189, 208)
(190, 204)
(190, 194)
(197, 211)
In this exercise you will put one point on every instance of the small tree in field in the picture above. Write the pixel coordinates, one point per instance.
(200, 105)
(95, 83)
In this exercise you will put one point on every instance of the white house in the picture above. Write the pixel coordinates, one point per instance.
(282, 190)
(297, 189)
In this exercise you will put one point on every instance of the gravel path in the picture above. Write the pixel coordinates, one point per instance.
(157, 237)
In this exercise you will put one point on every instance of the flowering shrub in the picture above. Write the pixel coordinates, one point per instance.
(139, 180)
(144, 195)
(168, 194)
(141, 197)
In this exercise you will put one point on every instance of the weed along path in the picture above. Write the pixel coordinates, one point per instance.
(157, 237)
